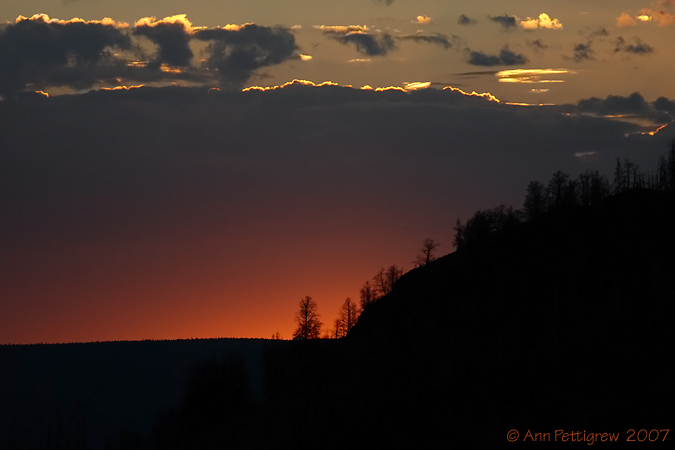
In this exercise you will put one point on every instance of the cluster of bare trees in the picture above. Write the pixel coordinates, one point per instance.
(308, 324)
(564, 192)
(482, 223)
(627, 175)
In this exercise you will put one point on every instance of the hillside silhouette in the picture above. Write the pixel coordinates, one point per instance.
(564, 322)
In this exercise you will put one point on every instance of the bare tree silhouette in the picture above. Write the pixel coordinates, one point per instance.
(309, 325)
(368, 295)
(385, 279)
(426, 252)
(535, 200)
(346, 318)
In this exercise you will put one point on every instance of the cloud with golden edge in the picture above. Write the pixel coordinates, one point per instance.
(528, 104)
(305, 57)
(360, 60)
(180, 19)
(122, 88)
(46, 19)
(421, 20)
(415, 85)
(342, 29)
(543, 21)
(408, 87)
(42, 93)
(485, 95)
(531, 75)
(169, 69)
(625, 20)
(295, 82)
(389, 88)
(661, 17)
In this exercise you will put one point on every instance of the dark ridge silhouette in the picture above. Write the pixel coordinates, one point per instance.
(562, 322)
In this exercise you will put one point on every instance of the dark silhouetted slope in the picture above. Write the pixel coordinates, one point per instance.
(562, 323)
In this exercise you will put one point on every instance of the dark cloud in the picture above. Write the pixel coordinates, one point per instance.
(507, 22)
(37, 51)
(464, 20)
(505, 58)
(437, 38)
(600, 32)
(383, 2)
(583, 52)
(665, 105)
(537, 45)
(172, 40)
(43, 52)
(660, 111)
(237, 53)
(637, 48)
(614, 104)
(365, 43)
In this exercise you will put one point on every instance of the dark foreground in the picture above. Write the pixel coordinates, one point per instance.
(560, 330)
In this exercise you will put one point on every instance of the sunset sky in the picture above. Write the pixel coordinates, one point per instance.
(154, 184)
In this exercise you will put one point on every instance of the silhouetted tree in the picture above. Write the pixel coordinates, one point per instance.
(535, 200)
(276, 336)
(482, 223)
(556, 188)
(460, 238)
(570, 194)
(385, 279)
(593, 187)
(426, 252)
(346, 318)
(309, 326)
(368, 295)
(336, 332)
(666, 170)
(619, 177)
